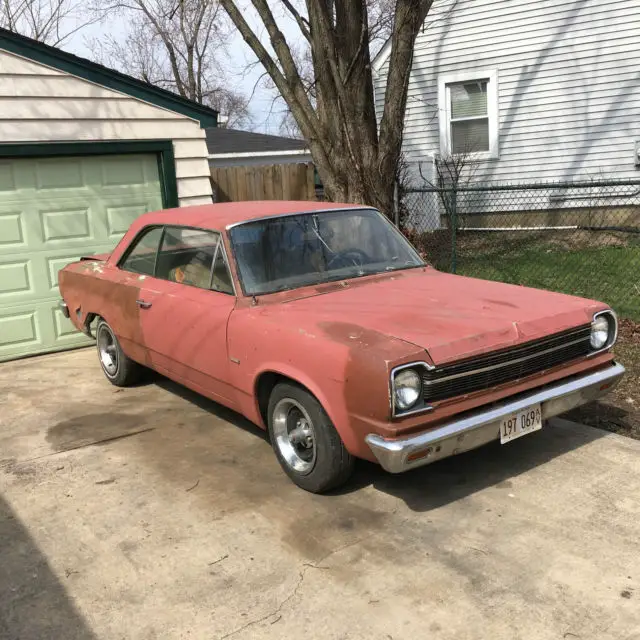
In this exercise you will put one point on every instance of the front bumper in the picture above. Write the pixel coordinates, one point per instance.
(483, 426)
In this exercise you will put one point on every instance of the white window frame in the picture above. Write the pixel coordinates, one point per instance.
(444, 110)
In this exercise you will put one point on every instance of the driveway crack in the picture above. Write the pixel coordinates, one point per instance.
(294, 591)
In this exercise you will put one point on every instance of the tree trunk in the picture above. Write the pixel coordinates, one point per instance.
(356, 161)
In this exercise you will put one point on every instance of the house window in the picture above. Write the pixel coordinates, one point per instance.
(468, 109)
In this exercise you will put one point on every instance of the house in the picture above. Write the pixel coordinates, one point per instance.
(83, 151)
(531, 91)
(232, 148)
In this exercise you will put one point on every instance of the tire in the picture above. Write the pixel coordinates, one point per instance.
(119, 369)
(305, 441)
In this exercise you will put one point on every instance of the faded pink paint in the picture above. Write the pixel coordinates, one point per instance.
(339, 340)
(452, 317)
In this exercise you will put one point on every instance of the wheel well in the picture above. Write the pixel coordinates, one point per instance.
(266, 384)
(89, 318)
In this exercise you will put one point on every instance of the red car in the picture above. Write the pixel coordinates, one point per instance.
(322, 324)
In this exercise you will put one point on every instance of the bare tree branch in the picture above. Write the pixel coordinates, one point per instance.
(288, 82)
(303, 23)
(327, 84)
(179, 45)
(50, 21)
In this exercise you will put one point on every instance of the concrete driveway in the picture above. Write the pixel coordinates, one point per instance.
(152, 513)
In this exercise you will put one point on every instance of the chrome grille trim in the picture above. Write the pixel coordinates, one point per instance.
(502, 364)
(508, 365)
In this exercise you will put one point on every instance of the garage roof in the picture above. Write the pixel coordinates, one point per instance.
(232, 141)
(99, 74)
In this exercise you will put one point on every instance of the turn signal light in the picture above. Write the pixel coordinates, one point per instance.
(418, 455)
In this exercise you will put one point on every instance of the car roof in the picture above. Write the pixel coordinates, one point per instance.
(222, 215)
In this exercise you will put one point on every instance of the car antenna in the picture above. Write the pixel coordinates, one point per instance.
(254, 300)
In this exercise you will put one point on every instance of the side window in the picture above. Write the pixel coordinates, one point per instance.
(221, 280)
(189, 256)
(142, 257)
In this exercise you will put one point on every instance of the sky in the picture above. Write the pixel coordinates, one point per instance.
(266, 116)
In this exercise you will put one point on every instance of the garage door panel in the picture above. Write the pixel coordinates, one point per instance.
(52, 261)
(18, 330)
(24, 277)
(63, 225)
(36, 328)
(64, 331)
(16, 277)
(59, 174)
(53, 267)
(120, 217)
(118, 171)
(34, 275)
(12, 234)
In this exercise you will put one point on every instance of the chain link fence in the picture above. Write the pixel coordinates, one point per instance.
(581, 238)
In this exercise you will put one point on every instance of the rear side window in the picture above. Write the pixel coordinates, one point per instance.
(193, 257)
(142, 256)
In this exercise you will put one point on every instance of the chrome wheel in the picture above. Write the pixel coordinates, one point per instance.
(107, 350)
(294, 435)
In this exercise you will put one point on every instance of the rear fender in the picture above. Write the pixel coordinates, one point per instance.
(100, 257)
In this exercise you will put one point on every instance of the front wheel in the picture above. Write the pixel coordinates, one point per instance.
(120, 370)
(305, 441)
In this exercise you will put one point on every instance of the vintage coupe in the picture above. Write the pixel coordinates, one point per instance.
(322, 324)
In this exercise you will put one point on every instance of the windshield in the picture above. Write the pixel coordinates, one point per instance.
(292, 251)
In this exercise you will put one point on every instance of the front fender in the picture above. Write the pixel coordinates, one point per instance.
(327, 390)
(348, 377)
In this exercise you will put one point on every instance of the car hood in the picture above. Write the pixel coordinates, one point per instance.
(452, 317)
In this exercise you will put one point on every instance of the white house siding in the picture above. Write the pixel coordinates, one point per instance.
(40, 104)
(568, 84)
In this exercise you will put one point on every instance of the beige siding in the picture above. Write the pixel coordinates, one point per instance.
(39, 104)
(568, 84)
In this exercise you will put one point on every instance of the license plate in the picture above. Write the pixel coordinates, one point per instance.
(520, 423)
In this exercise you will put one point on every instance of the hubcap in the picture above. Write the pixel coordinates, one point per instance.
(107, 351)
(294, 435)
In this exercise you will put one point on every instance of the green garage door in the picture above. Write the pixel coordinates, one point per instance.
(52, 211)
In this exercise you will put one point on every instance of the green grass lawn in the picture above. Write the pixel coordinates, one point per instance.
(609, 273)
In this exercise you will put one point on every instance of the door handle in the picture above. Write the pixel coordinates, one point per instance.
(142, 304)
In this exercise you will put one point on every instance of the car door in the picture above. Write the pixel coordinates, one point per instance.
(184, 310)
(122, 306)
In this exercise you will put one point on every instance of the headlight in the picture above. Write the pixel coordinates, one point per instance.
(406, 389)
(599, 332)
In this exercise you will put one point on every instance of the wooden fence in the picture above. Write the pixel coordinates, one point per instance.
(269, 182)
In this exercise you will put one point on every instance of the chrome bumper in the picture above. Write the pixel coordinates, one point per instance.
(484, 426)
(62, 305)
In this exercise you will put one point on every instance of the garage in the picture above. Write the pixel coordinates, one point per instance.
(84, 150)
(53, 210)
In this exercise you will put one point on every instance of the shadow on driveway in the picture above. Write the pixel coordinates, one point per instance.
(34, 605)
(460, 476)
(443, 482)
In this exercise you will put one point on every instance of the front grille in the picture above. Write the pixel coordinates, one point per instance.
(509, 365)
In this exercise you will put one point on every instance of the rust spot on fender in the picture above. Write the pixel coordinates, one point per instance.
(353, 335)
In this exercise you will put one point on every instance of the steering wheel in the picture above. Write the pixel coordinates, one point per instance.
(349, 257)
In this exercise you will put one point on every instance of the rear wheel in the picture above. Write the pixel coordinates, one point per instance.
(119, 369)
(305, 441)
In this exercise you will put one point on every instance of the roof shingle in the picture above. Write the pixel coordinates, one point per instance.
(234, 141)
